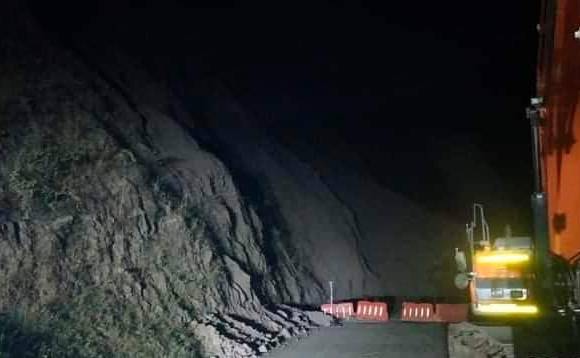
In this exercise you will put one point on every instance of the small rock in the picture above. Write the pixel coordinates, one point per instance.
(285, 333)
(319, 318)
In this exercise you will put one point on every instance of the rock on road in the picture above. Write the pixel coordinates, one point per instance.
(370, 340)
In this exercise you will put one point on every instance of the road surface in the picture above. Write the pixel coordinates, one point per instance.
(370, 340)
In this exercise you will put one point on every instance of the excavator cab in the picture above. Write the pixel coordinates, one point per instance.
(498, 273)
(502, 282)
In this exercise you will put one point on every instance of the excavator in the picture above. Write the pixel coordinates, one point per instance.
(538, 276)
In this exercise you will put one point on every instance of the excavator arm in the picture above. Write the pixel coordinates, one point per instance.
(558, 122)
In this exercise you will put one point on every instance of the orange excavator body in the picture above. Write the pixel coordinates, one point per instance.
(558, 86)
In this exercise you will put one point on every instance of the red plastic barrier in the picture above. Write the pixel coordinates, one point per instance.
(339, 310)
(375, 311)
(326, 308)
(418, 312)
(451, 313)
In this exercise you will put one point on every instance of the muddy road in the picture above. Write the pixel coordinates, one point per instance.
(370, 340)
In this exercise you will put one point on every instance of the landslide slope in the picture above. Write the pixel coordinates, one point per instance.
(137, 222)
(119, 233)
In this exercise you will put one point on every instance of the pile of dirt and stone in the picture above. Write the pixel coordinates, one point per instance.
(469, 341)
(139, 222)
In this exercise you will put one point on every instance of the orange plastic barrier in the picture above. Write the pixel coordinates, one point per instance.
(418, 312)
(375, 311)
(339, 310)
(451, 313)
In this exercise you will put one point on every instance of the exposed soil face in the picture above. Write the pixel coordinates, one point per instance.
(105, 195)
(122, 204)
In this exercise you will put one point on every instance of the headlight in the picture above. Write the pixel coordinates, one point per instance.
(506, 308)
(502, 258)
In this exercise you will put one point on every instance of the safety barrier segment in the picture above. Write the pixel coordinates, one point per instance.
(451, 313)
(374, 311)
(326, 308)
(418, 312)
(339, 310)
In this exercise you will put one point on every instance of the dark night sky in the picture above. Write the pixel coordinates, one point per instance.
(384, 74)
(369, 58)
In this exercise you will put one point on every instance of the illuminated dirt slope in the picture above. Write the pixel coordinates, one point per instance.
(118, 197)
(119, 233)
